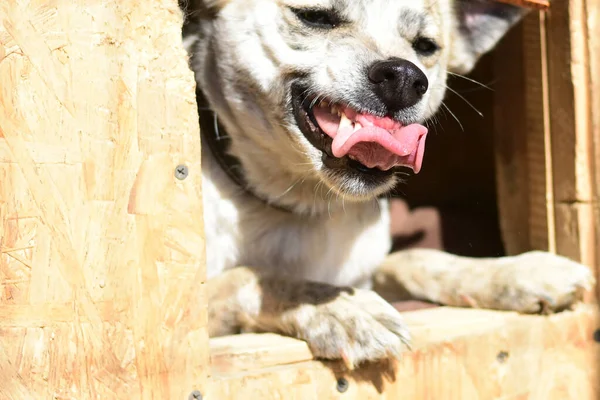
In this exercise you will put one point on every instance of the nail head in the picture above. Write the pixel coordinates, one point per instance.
(597, 335)
(502, 357)
(195, 395)
(342, 385)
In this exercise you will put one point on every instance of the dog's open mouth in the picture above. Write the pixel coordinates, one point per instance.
(358, 140)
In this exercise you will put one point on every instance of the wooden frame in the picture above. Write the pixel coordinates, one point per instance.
(547, 140)
(102, 291)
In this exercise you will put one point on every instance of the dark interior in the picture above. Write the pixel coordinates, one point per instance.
(458, 175)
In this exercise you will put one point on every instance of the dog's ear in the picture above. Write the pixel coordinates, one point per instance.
(480, 24)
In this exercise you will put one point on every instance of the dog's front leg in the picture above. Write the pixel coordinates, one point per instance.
(337, 323)
(534, 282)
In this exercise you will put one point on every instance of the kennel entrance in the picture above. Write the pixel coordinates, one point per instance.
(102, 277)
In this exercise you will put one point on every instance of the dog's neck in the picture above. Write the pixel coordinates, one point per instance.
(215, 137)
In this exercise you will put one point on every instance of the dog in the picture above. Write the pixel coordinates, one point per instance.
(309, 111)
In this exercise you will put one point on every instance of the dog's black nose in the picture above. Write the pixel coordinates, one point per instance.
(398, 83)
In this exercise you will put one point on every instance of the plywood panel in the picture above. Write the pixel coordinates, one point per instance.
(101, 247)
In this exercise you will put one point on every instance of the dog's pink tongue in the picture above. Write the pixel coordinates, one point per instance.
(377, 147)
(381, 143)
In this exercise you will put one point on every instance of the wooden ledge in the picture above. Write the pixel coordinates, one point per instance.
(457, 354)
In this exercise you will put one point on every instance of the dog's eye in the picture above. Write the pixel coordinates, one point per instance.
(324, 19)
(425, 46)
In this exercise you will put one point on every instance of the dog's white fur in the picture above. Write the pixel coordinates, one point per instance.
(245, 54)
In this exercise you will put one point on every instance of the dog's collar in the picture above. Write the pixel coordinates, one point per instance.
(217, 140)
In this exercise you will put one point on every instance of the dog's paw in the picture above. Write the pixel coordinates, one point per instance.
(539, 282)
(357, 326)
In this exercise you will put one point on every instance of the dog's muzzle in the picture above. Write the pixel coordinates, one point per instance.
(366, 136)
(398, 83)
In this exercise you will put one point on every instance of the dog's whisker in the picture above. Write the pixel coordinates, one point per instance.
(216, 126)
(328, 195)
(316, 100)
(465, 100)
(316, 190)
(303, 93)
(289, 189)
(443, 111)
(471, 80)
(434, 120)
(454, 116)
(306, 164)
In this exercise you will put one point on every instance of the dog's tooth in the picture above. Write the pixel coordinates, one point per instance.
(344, 121)
(357, 126)
(334, 110)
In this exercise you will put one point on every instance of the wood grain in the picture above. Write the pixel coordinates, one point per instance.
(548, 174)
(523, 139)
(511, 143)
(569, 72)
(592, 19)
(458, 354)
(101, 247)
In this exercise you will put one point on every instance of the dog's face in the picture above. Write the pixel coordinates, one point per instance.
(336, 91)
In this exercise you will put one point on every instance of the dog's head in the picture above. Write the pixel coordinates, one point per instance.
(335, 91)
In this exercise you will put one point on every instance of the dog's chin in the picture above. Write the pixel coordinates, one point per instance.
(343, 175)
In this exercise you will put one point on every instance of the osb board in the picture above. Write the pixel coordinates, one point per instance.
(548, 132)
(458, 354)
(101, 248)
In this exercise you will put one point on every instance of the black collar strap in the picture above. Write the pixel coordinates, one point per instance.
(217, 140)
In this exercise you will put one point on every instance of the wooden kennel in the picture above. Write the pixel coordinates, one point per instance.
(102, 265)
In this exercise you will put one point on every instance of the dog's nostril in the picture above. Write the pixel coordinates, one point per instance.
(380, 75)
(420, 87)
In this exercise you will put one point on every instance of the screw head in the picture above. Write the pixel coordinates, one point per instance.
(502, 357)
(597, 336)
(342, 385)
(181, 172)
(195, 395)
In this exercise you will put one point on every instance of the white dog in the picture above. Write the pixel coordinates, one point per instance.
(308, 109)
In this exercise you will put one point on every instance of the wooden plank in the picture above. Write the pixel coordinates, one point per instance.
(548, 179)
(458, 354)
(510, 141)
(569, 77)
(524, 139)
(592, 12)
(254, 351)
(542, 224)
(101, 248)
